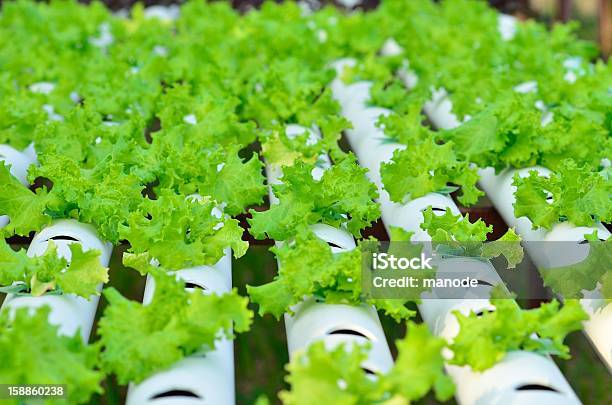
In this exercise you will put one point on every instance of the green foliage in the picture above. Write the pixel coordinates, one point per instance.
(343, 195)
(570, 281)
(38, 275)
(145, 129)
(45, 357)
(572, 193)
(307, 266)
(336, 375)
(455, 235)
(483, 340)
(182, 232)
(139, 340)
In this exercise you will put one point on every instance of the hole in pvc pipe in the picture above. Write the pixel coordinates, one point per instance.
(64, 237)
(434, 209)
(176, 393)
(535, 387)
(585, 242)
(332, 244)
(190, 284)
(346, 332)
(482, 282)
(368, 371)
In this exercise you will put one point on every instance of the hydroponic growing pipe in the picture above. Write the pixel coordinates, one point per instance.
(70, 312)
(202, 378)
(500, 191)
(332, 323)
(19, 163)
(521, 377)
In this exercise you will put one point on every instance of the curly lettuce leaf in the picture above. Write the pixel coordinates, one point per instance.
(509, 246)
(484, 340)
(49, 272)
(342, 195)
(337, 375)
(456, 235)
(181, 232)
(139, 340)
(102, 196)
(25, 209)
(419, 367)
(570, 281)
(307, 266)
(45, 357)
(332, 376)
(424, 167)
(573, 193)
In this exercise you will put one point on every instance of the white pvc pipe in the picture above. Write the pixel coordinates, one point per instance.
(70, 312)
(207, 376)
(503, 383)
(336, 323)
(333, 324)
(19, 162)
(500, 191)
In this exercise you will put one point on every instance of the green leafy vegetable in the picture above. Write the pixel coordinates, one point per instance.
(49, 272)
(45, 357)
(570, 281)
(456, 235)
(574, 193)
(24, 208)
(484, 340)
(342, 195)
(182, 232)
(307, 266)
(337, 376)
(139, 340)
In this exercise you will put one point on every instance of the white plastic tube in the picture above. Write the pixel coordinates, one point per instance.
(202, 378)
(521, 377)
(500, 191)
(70, 312)
(19, 163)
(333, 324)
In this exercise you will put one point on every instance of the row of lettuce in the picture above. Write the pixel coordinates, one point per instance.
(145, 128)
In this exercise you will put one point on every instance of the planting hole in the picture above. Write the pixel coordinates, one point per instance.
(176, 393)
(332, 244)
(64, 237)
(434, 209)
(195, 286)
(368, 371)
(585, 242)
(346, 332)
(535, 387)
